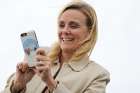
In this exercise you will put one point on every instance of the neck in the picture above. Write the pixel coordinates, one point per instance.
(66, 56)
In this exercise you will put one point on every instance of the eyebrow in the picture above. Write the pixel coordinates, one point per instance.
(71, 22)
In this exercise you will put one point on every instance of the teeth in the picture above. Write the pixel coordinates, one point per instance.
(67, 39)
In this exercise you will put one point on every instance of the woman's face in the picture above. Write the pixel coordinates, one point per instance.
(72, 29)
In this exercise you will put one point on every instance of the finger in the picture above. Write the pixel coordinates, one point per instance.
(41, 58)
(40, 63)
(35, 70)
(43, 63)
(22, 66)
(42, 68)
(31, 71)
(40, 51)
(44, 75)
(19, 66)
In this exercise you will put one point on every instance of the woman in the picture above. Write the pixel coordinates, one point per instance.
(66, 68)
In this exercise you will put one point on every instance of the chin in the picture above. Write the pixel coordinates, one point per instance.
(67, 48)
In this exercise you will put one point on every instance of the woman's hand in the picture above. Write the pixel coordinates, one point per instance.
(23, 75)
(43, 68)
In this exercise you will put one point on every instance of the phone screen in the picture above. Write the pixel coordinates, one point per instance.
(30, 44)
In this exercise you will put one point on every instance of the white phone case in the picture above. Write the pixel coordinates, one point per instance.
(30, 44)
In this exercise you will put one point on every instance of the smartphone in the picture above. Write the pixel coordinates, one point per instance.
(30, 44)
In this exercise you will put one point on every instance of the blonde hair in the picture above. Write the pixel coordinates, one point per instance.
(89, 43)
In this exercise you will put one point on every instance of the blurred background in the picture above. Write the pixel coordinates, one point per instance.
(117, 48)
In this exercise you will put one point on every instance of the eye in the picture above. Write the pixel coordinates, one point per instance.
(61, 24)
(74, 25)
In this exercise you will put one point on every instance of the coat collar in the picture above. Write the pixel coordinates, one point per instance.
(77, 66)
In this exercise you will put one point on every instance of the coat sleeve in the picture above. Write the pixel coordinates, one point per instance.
(8, 84)
(98, 85)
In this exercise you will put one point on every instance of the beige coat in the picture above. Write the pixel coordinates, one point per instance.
(84, 76)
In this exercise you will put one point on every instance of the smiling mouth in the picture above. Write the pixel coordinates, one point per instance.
(67, 39)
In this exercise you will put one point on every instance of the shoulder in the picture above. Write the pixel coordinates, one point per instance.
(98, 68)
(96, 71)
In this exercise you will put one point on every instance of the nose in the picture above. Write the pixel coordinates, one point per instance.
(65, 30)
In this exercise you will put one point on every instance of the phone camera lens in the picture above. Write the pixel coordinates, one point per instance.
(23, 34)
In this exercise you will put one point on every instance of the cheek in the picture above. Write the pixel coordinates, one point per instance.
(86, 33)
(59, 34)
(81, 36)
